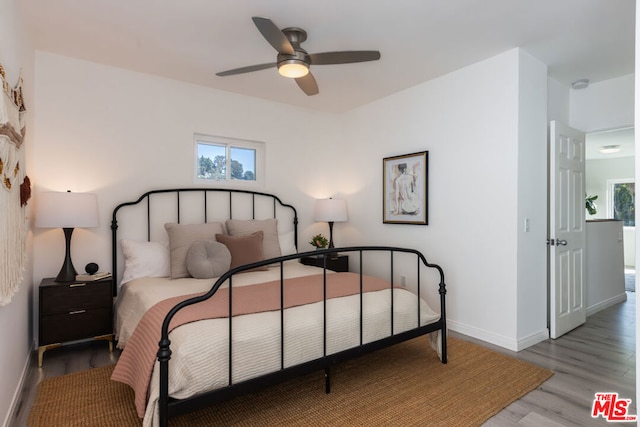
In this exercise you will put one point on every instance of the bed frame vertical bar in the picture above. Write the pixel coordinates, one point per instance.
(361, 301)
(148, 218)
(327, 372)
(114, 254)
(281, 314)
(206, 219)
(230, 330)
(418, 296)
(391, 281)
(178, 205)
(443, 318)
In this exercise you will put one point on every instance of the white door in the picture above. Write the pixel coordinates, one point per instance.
(566, 229)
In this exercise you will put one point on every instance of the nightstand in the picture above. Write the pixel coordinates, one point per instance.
(339, 264)
(72, 311)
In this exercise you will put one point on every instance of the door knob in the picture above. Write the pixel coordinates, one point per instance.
(556, 242)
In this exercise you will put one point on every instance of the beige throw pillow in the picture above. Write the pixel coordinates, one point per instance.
(181, 237)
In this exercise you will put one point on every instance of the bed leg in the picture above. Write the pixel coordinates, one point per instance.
(444, 345)
(327, 380)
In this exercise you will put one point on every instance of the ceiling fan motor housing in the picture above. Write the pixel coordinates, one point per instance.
(299, 57)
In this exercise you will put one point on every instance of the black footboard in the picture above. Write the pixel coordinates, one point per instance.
(169, 407)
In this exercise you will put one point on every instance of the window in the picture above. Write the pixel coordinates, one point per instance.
(621, 197)
(226, 160)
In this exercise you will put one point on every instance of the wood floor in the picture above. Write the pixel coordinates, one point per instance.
(596, 357)
(599, 356)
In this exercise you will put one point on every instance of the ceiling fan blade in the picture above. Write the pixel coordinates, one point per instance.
(248, 69)
(273, 35)
(308, 84)
(344, 57)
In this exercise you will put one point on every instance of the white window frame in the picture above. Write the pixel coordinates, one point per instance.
(610, 184)
(259, 147)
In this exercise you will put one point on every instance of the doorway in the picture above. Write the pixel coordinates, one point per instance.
(610, 176)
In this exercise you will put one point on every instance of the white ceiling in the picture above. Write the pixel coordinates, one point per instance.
(623, 138)
(419, 40)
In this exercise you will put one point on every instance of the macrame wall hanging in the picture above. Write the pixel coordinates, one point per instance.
(15, 191)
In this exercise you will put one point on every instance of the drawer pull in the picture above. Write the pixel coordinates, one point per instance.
(77, 312)
(75, 285)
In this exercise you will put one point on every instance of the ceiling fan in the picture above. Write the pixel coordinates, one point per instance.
(293, 61)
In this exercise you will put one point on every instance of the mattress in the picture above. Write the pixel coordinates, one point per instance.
(200, 350)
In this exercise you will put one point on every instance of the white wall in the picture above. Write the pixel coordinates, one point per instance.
(605, 283)
(532, 201)
(469, 121)
(558, 97)
(16, 55)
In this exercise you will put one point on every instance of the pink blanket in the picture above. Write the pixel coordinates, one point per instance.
(136, 362)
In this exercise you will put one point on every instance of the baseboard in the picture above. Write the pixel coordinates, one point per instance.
(533, 339)
(482, 334)
(18, 393)
(496, 339)
(606, 303)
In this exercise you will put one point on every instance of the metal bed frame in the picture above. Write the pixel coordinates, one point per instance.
(170, 407)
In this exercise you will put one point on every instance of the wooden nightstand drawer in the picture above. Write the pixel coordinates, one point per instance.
(68, 297)
(73, 311)
(74, 325)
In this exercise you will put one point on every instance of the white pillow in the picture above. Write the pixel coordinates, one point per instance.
(144, 259)
(287, 242)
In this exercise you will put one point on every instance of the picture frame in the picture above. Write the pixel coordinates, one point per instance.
(405, 189)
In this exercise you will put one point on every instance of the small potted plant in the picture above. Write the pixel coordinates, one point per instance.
(590, 205)
(319, 241)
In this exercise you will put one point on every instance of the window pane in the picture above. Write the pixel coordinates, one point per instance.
(228, 161)
(243, 163)
(212, 162)
(624, 195)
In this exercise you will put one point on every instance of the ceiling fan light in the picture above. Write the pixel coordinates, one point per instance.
(293, 68)
(609, 149)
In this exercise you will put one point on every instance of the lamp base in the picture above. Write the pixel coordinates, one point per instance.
(67, 272)
(331, 235)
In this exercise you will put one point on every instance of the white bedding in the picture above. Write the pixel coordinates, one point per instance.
(199, 360)
(138, 295)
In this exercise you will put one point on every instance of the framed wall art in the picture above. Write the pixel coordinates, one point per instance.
(404, 189)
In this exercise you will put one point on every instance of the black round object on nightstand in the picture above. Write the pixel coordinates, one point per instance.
(91, 268)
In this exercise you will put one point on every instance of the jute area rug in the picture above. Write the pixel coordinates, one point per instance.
(402, 385)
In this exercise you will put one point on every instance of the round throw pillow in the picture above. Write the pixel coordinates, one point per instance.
(207, 259)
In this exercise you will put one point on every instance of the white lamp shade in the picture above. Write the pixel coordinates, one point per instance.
(66, 210)
(331, 210)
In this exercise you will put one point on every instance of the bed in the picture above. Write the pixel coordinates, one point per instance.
(188, 258)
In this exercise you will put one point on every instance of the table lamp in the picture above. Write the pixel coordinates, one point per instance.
(66, 210)
(331, 210)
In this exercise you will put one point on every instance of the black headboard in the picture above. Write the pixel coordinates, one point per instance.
(197, 205)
